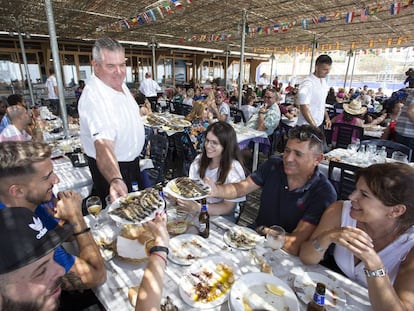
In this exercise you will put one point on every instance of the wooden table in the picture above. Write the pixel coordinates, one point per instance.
(121, 274)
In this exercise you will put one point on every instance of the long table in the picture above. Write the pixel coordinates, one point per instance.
(122, 275)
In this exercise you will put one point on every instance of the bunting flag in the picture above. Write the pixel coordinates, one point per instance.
(177, 4)
(395, 8)
(285, 27)
(336, 15)
(276, 28)
(189, 1)
(151, 14)
(267, 29)
(146, 17)
(315, 19)
(305, 24)
(364, 15)
(406, 3)
(160, 11)
(167, 7)
(374, 10)
(349, 17)
(322, 19)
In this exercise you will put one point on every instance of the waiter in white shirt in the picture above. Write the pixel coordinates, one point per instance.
(149, 88)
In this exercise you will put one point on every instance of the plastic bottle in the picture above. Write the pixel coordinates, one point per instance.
(204, 221)
(318, 302)
(134, 185)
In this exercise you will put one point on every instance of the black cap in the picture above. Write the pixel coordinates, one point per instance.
(24, 239)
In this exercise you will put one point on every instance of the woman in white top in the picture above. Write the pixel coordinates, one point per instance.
(373, 235)
(219, 161)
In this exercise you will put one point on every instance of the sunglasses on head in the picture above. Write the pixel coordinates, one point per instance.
(304, 136)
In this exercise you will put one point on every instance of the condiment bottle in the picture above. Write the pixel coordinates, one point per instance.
(204, 220)
(318, 302)
(134, 187)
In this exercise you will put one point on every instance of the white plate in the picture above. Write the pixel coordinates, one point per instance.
(305, 284)
(251, 288)
(116, 204)
(188, 281)
(249, 233)
(188, 244)
(171, 183)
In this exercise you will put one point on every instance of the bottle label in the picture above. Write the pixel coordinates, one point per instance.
(202, 227)
(319, 299)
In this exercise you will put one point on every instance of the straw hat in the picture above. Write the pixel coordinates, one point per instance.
(355, 108)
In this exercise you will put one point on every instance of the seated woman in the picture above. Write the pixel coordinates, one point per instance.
(200, 118)
(373, 234)
(394, 111)
(189, 98)
(350, 115)
(220, 162)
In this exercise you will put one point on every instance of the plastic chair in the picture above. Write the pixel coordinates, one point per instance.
(185, 153)
(346, 133)
(237, 115)
(390, 147)
(158, 154)
(346, 184)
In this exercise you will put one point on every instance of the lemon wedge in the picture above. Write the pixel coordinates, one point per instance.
(275, 289)
(246, 305)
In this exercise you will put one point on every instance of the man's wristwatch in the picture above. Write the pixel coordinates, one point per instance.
(375, 273)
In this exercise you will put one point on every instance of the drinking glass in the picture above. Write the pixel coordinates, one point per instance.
(400, 157)
(275, 238)
(94, 207)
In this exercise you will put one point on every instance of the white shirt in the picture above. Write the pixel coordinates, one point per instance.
(313, 92)
(12, 133)
(236, 174)
(109, 114)
(149, 87)
(50, 84)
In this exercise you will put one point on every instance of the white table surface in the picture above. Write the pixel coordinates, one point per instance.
(121, 274)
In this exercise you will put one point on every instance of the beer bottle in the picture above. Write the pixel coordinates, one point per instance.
(318, 302)
(204, 220)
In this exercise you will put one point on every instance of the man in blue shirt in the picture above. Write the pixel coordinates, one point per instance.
(294, 192)
(27, 180)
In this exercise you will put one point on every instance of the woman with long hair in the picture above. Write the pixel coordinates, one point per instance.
(220, 162)
(200, 118)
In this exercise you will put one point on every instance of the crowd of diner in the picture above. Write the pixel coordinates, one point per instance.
(368, 237)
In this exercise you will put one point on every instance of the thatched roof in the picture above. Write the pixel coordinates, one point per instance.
(217, 23)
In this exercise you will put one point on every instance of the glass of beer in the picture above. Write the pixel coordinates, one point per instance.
(94, 207)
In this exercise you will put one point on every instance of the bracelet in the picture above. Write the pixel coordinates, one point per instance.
(162, 257)
(157, 248)
(375, 273)
(317, 246)
(115, 178)
(87, 229)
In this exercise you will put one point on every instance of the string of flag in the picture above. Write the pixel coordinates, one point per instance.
(154, 12)
(349, 17)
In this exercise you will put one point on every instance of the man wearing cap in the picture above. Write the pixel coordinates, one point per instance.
(30, 279)
(27, 179)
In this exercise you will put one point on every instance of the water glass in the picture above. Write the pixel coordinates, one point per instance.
(400, 157)
(275, 237)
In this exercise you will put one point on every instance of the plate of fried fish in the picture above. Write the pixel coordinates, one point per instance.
(187, 189)
(136, 207)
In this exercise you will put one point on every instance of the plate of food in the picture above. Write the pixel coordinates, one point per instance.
(187, 188)
(154, 119)
(136, 207)
(179, 122)
(241, 238)
(207, 282)
(305, 284)
(262, 291)
(186, 248)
